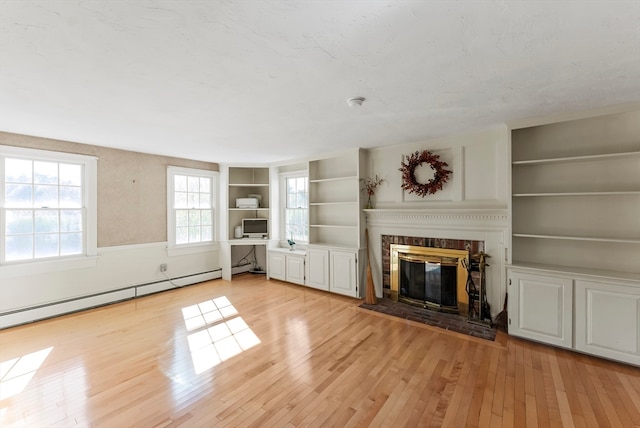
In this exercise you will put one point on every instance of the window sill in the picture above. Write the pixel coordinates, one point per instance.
(37, 267)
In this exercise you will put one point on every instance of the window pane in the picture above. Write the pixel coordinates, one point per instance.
(206, 217)
(38, 228)
(205, 185)
(19, 247)
(182, 218)
(180, 200)
(46, 245)
(18, 195)
(70, 197)
(46, 222)
(193, 200)
(70, 175)
(194, 218)
(182, 235)
(70, 243)
(194, 234)
(193, 184)
(291, 200)
(18, 170)
(19, 222)
(45, 197)
(71, 221)
(207, 233)
(205, 200)
(180, 183)
(45, 172)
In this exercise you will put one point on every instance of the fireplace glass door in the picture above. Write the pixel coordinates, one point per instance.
(428, 281)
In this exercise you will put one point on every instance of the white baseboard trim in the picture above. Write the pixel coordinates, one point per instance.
(28, 315)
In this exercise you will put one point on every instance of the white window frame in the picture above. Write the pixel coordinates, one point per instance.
(198, 247)
(90, 218)
(283, 201)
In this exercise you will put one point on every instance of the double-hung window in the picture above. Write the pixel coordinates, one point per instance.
(48, 205)
(191, 208)
(296, 207)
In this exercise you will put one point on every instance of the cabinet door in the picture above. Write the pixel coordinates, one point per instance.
(608, 320)
(343, 272)
(317, 269)
(277, 266)
(540, 308)
(295, 269)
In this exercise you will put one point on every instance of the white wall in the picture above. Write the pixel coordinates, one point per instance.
(480, 165)
(113, 269)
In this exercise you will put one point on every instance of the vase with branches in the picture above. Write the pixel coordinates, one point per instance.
(369, 186)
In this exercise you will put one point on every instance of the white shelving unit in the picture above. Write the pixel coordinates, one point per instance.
(335, 214)
(336, 224)
(245, 181)
(240, 182)
(575, 217)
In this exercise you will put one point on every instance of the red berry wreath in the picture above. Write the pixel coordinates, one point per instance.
(440, 176)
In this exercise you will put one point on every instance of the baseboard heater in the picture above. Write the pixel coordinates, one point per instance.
(50, 310)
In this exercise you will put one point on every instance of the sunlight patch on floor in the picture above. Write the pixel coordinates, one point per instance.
(227, 334)
(16, 373)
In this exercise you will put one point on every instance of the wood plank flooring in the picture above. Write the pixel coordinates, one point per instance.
(258, 353)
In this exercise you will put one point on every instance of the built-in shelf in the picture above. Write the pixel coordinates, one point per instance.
(576, 194)
(326, 180)
(527, 195)
(587, 158)
(571, 270)
(335, 216)
(577, 238)
(334, 226)
(249, 185)
(332, 203)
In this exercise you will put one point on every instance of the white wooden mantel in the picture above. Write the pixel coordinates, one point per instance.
(488, 225)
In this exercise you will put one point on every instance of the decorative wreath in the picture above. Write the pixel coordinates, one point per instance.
(440, 176)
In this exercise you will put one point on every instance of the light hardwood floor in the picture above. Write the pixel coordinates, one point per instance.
(253, 352)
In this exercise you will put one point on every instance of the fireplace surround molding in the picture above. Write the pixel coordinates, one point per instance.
(477, 224)
(461, 217)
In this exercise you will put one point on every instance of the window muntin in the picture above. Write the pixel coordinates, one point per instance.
(47, 205)
(296, 218)
(191, 202)
(43, 209)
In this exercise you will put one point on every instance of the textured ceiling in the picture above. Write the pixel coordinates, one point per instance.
(265, 81)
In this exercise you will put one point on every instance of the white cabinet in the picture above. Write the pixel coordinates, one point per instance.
(333, 270)
(608, 320)
(540, 308)
(343, 272)
(317, 268)
(286, 266)
(575, 235)
(295, 268)
(277, 265)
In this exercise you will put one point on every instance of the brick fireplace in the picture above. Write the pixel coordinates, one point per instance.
(471, 230)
